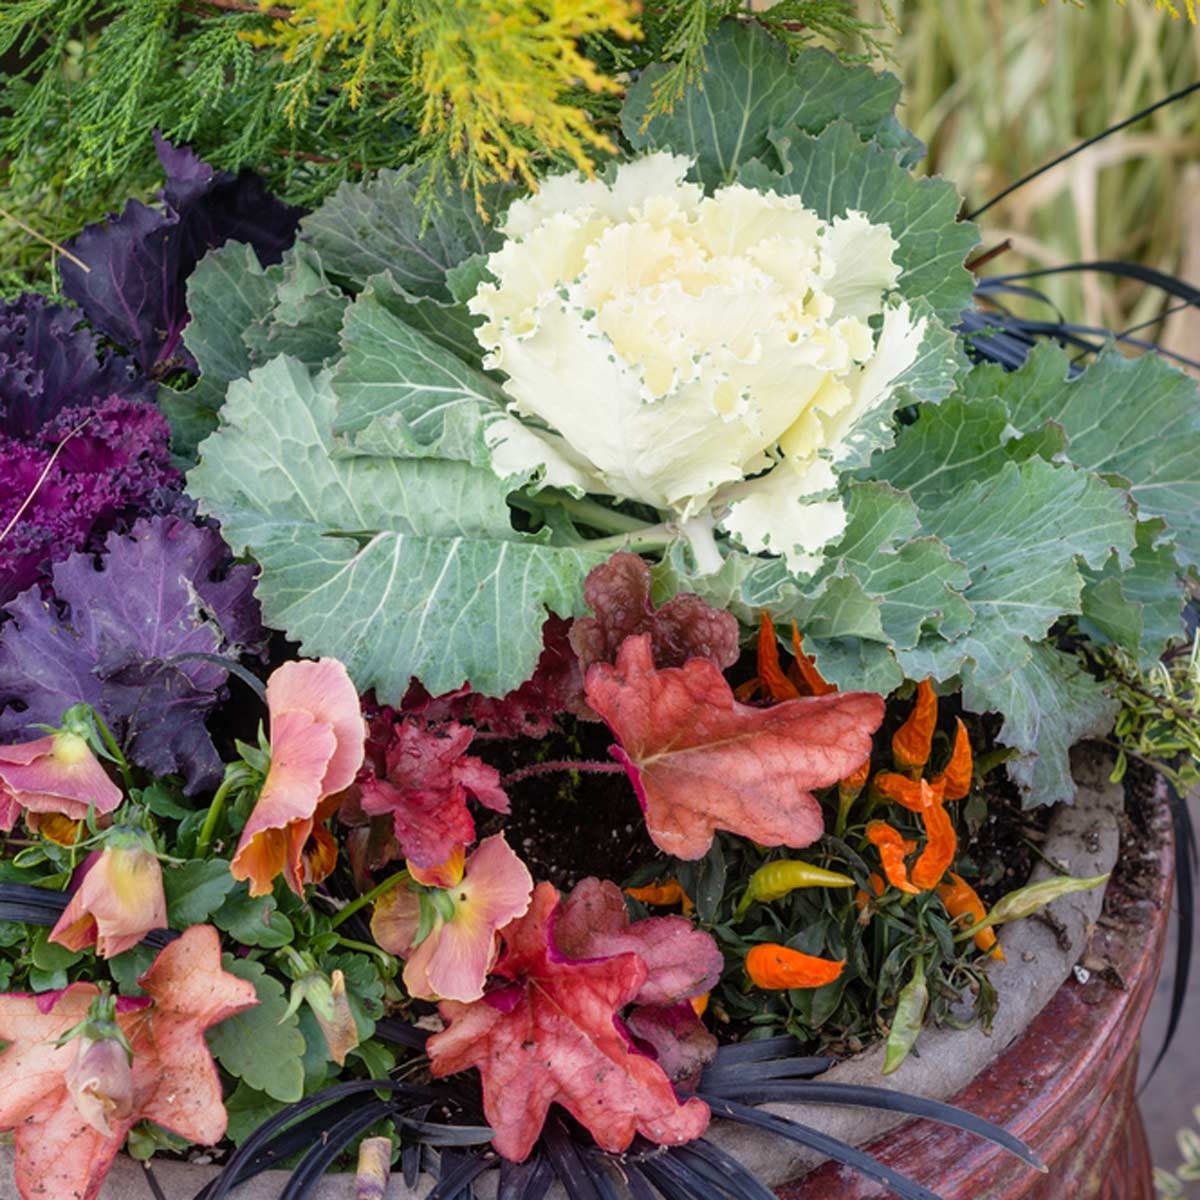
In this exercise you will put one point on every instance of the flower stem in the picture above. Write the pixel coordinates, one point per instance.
(115, 750)
(367, 898)
(215, 809)
(548, 768)
(366, 948)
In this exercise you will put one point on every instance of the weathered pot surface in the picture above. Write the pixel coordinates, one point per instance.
(1040, 955)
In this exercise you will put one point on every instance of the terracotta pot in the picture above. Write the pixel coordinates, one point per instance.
(1066, 1086)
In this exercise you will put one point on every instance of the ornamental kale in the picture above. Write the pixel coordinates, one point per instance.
(135, 266)
(135, 637)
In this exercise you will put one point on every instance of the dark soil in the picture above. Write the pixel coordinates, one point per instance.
(567, 825)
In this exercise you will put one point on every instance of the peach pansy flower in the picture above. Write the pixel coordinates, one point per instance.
(119, 899)
(452, 961)
(57, 773)
(317, 735)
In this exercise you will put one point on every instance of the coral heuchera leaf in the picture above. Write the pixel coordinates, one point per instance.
(681, 961)
(61, 1150)
(700, 761)
(553, 1035)
(133, 289)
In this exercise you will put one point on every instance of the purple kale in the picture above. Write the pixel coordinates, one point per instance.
(134, 290)
(91, 468)
(133, 634)
(50, 361)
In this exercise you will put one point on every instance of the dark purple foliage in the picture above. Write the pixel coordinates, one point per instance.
(139, 262)
(120, 635)
(92, 467)
(50, 361)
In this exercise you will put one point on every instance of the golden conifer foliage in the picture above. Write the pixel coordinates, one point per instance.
(493, 83)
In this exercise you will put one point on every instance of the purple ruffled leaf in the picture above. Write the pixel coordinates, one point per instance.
(122, 635)
(50, 361)
(134, 290)
(91, 468)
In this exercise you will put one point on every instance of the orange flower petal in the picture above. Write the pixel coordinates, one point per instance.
(912, 742)
(662, 895)
(813, 680)
(770, 673)
(445, 874)
(892, 849)
(959, 771)
(777, 967)
(319, 856)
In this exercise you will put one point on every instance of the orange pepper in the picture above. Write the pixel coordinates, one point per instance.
(861, 899)
(957, 774)
(850, 787)
(806, 669)
(776, 967)
(770, 674)
(700, 1004)
(913, 794)
(913, 741)
(662, 895)
(892, 851)
(941, 844)
(961, 899)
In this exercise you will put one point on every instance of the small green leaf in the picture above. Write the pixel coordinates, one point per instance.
(47, 981)
(196, 890)
(50, 956)
(261, 1046)
(248, 1108)
(253, 920)
(163, 801)
(126, 969)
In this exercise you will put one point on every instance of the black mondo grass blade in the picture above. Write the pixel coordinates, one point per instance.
(755, 1051)
(677, 1180)
(831, 1147)
(638, 1183)
(731, 1184)
(462, 1172)
(741, 1181)
(528, 1180)
(568, 1163)
(239, 1167)
(318, 1160)
(743, 1074)
(433, 1133)
(861, 1096)
(1185, 890)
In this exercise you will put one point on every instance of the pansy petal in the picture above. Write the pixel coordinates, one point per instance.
(395, 920)
(57, 774)
(59, 1155)
(324, 690)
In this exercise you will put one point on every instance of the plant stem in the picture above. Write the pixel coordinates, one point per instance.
(547, 768)
(215, 809)
(106, 735)
(595, 515)
(651, 537)
(366, 948)
(367, 898)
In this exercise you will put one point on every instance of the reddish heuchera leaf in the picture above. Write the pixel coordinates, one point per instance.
(700, 761)
(618, 592)
(59, 1153)
(681, 961)
(554, 1036)
(682, 1046)
(429, 776)
(555, 687)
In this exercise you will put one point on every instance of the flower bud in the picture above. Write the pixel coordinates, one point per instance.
(100, 1083)
(336, 1020)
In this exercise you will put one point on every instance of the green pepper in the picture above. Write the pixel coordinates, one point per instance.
(776, 879)
(910, 1015)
